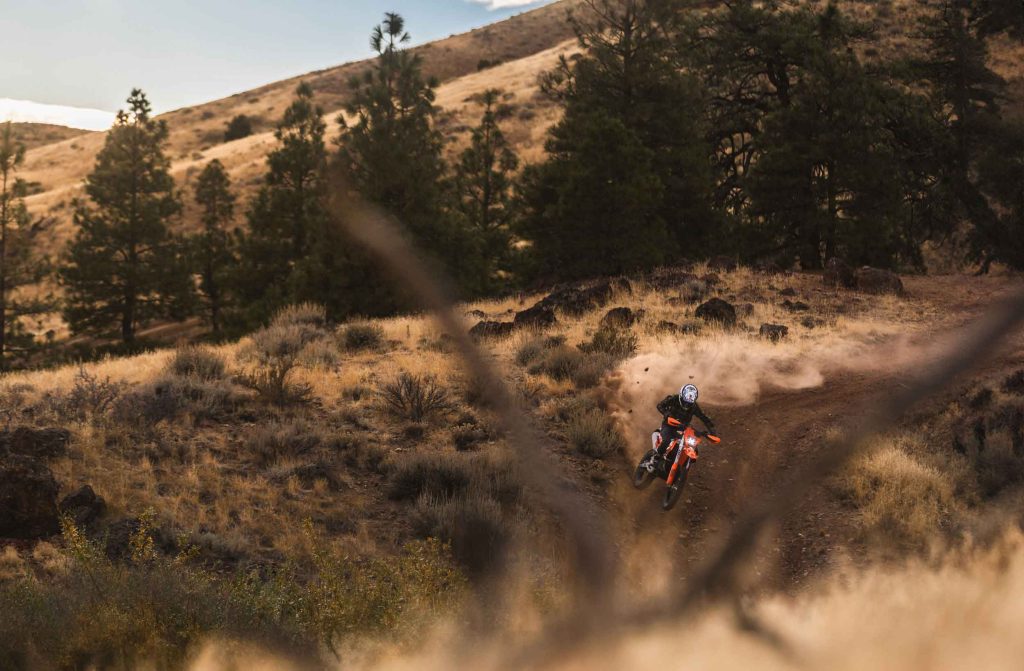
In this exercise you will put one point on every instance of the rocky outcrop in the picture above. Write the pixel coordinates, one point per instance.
(620, 318)
(35, 443)
(539, 316)
(878, 281)
(28, 498)
(718, 311)
(773, 332)
(491, 329)
(83, 506)
(838, 274)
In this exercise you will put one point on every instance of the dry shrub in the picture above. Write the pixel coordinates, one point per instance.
(897, 497)
(998, 467)
(472, 524)
(170, 396)
(358, 337)
(616, 343)
(569, 363)
(593, 433)
(415, 397)
(292, 340)
(534, 348)
(197, 362)
(444, 475)
(88, 398)
(276, 441)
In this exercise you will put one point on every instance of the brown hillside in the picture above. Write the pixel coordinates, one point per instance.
(34, 135)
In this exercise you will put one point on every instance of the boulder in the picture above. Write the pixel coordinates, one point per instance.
(35, 443)
(717, 310)
(83, 506)
(799, 306)
(622, 284)
(838, 274)
(619, 318)
(1014, 383)
(28, 498)
(539, 316)
(490, 329)
(788, 291)
(877, 281)
(774, 332)
(812, 322)
(479, 314)
(578, 300)
(724, 263)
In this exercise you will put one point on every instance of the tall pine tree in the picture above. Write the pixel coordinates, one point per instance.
(213, 247)
(286, 214)
(123, 267)
(391, 153)
(484, 177)
(20, 265)
(627, 184)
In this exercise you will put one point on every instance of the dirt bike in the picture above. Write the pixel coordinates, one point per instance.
(674, 465)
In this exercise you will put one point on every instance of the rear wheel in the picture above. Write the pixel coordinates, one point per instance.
(641, 476)
(675, 490)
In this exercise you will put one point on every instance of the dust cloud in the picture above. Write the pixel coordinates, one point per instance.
(735, 370)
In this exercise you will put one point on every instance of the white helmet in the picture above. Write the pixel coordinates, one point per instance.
(688, 395)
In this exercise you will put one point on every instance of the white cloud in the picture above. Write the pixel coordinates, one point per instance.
(504, 4)
(62, 115)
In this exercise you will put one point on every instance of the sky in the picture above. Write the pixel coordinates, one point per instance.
(75, 61)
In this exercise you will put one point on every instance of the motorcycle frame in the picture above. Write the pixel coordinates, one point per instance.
(682, 447)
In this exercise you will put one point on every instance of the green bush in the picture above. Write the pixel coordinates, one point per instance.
(473, 524)
(293, 339)
(240, 126)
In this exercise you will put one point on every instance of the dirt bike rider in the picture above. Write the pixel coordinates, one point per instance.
(681, 407)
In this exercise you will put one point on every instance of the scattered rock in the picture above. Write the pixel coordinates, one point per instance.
(666, 279)
(83, 506)
(576, 300)
(717, 310)
(878, 281)
(788, 291)
(668, 327)
(799, 306)
(774, 332)
(28, 498)
(812, 322)
(622, 284)
(745, 310)
(491, 329)
(479, 314)
(35, 443)
(724, 263)
(690, 328)
(838, 274)
(619, 318)
(980, 400)
(539, 316)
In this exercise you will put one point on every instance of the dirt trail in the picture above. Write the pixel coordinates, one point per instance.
(765, 442)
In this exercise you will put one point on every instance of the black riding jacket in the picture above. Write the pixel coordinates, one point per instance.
(672, 407)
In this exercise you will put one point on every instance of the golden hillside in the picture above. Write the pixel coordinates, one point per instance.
(34, 135)
(525, 45)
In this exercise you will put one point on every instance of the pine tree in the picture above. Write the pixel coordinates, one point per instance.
(484, 178)
(967, 94)
(19, 264)
(123, 266)
(286, 213)
(391, 153)
(213, 247)
(629, 159)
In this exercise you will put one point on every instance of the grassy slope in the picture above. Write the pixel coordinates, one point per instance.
(34, 135)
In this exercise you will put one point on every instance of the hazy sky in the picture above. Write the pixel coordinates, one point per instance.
(90, 53)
